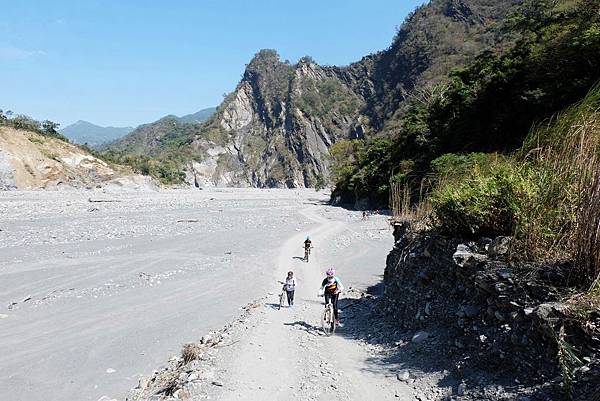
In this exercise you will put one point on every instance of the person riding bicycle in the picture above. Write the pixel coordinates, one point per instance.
(289, 287)
(331, 286)
(307, 247)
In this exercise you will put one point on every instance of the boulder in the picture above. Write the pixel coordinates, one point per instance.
(419, 337)
(464, 257)
(500, 246)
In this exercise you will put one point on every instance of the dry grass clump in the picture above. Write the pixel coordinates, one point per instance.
(190, 352)
(562, 218)
(404, 209)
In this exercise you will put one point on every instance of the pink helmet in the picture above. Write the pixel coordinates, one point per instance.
(330, 272)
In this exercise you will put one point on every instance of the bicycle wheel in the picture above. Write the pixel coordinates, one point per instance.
(332, 324)
(327, 320)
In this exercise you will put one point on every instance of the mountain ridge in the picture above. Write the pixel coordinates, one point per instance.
(275, 129)
(85, 132)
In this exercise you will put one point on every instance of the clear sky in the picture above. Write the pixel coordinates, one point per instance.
(129, 62)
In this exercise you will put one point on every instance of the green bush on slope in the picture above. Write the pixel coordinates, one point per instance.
(547, 195)
(486, 201)
(490, 105)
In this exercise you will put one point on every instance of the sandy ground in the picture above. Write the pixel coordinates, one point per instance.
(284, 355)
(95, 294)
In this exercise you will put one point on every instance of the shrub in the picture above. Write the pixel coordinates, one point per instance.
(486, 202)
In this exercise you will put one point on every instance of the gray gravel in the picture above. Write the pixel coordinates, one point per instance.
(94, 294)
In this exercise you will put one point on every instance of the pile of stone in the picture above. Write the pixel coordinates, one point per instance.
(488, 314)
(186, 376)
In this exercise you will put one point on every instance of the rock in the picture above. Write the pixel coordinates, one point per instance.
(461, 389)
(143, 383)
(3, 316)
(192, 377)
(500, 246)
(110, 370)
(505, 273)
(181, 394)
(419, 337)
(403, 375)
(217, 383)
(465, 258)
(483, 244)
(471, 311)
(206, 339)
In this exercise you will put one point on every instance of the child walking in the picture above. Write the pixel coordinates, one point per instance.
(289, 287)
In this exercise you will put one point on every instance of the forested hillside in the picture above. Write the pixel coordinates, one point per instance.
(489, 105)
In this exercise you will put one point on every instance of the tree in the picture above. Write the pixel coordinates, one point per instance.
(50, 127)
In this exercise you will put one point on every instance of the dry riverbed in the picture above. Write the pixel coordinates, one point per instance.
(99, 289)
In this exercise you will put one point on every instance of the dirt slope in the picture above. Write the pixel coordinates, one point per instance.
(32, 161)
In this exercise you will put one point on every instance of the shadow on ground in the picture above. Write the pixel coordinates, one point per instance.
(436, 370)
(309, 328)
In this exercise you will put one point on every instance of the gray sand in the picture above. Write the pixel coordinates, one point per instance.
(116, 288)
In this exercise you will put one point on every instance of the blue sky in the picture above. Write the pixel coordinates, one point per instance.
(130, 62)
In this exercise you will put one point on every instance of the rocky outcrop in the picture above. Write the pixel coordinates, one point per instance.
(277, 126)
(491, 315)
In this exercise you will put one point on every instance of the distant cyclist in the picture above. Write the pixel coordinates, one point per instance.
(307, 248)
(331, 286)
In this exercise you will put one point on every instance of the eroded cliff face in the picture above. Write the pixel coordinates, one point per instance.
(276, 128)
(29, 160)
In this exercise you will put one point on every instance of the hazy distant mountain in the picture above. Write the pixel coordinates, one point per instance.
(168, 130)
(94, 135)
(198, 117)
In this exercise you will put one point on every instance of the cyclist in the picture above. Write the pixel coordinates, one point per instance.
(307, 246)
(331, 286)
(289, 287)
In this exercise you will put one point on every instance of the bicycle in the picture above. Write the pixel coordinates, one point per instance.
(307, 253)
(282, 295)
(328, 318)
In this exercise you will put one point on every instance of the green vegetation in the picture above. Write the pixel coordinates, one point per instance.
(546, 195)
(167, 171)
(46, 127)
(327, 97)
(468, 147)
(489, 105)
(481, 197)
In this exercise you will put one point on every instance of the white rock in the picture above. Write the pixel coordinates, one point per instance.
(461, 389)
(420, 336)
(403, 375)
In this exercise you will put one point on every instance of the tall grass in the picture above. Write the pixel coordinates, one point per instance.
(402, 204)
(547, 195)
(562, 161)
